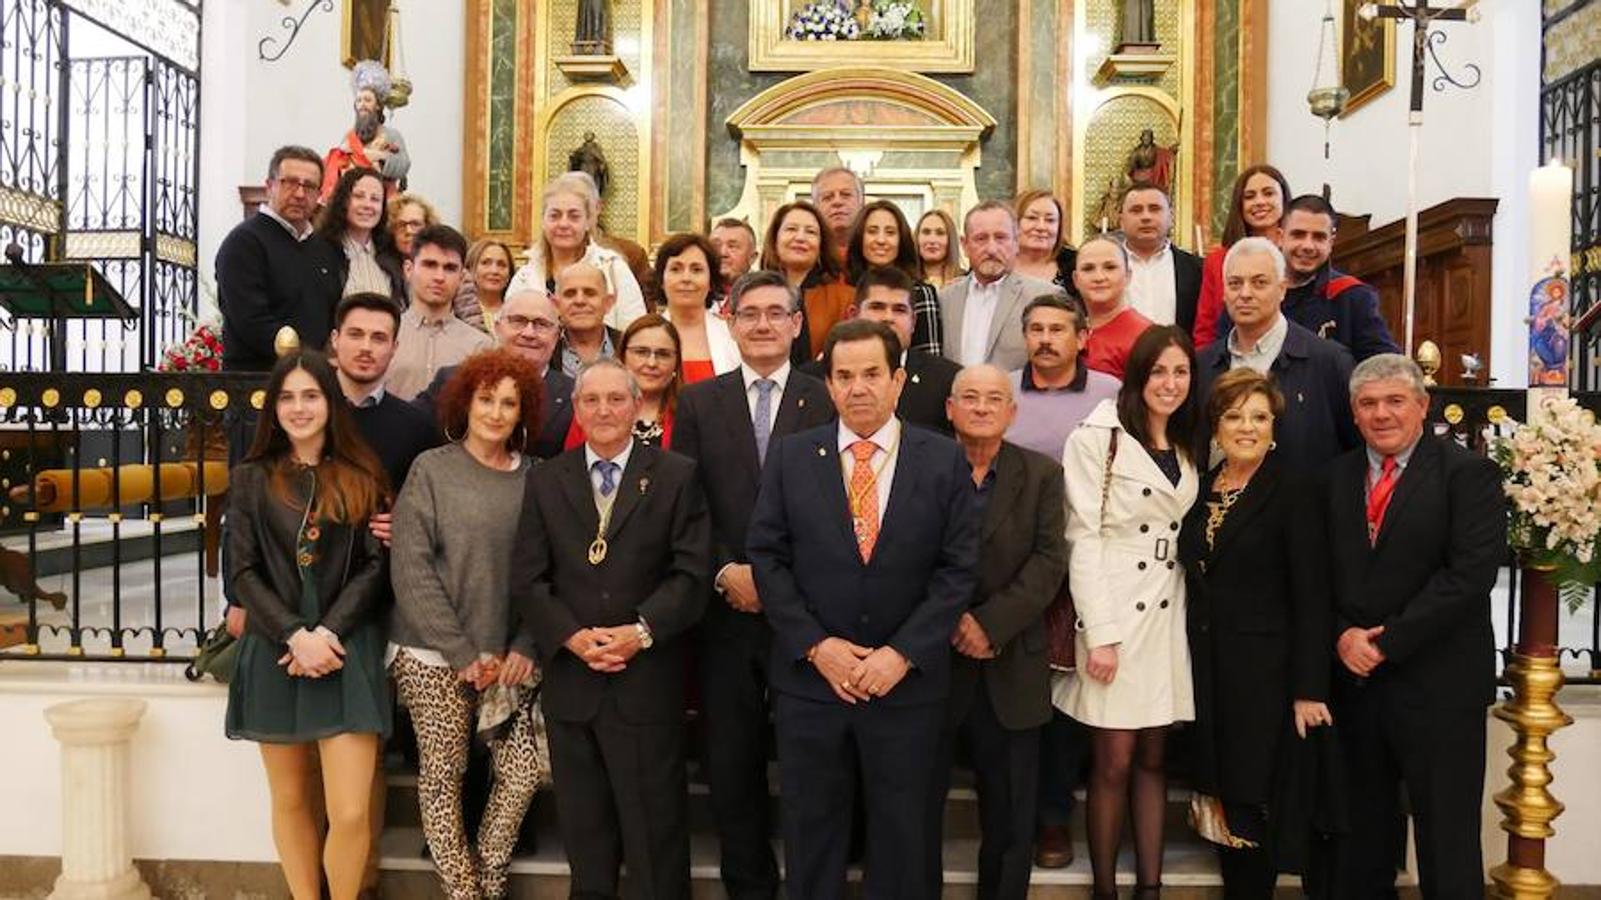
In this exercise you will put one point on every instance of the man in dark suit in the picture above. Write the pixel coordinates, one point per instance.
(528, 326)
(865, 548)
(1164, 281)
(726, 425)
(1417, 531)
(1000, 676)
(1311, 373)
(885, 295)
(616, 544)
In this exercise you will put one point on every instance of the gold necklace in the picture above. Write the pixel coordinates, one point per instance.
(1218, 510)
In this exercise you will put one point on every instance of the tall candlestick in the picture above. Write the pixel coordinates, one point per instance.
(1550, 252)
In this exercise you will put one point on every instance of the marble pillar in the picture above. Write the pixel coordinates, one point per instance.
(95, 861)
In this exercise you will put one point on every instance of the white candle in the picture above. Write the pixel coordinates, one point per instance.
(1550, 220)
(1550, 253)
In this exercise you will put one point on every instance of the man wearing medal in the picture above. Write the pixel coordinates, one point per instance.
(864, 544)
(618, 546)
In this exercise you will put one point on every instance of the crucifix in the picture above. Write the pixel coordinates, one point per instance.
(1422, 15)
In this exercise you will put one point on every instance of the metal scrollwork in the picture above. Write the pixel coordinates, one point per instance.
(293, 24)
(1471, 70)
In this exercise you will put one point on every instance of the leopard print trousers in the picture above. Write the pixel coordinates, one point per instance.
(445, 711)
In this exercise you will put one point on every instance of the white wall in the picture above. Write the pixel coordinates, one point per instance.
(250, 107)
(1475, 143)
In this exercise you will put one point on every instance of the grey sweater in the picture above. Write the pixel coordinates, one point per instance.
(454, 528)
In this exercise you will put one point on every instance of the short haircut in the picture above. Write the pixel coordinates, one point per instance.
(677, 244)
(442, 236)
(731, 222)
(365, 300)
(1255, 246)
(489, 368)
(1026, 199)
(825, 267)
(885, 277)
(1315, 204)
(295, 152)
(1385, 366)
(1233, 387)
(861, 189)
(605, 362)
(851, 331)
(761, 278)
(1067, 303)
(1141, 187)
(989, 206)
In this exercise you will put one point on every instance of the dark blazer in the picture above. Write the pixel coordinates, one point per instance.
(1428, 578)
(713, 427)
(352, 571)
(556, 418)
(1023, 548)
(1259, 621)
(928, 384)
(655, 569)
(1350, 317)
(1314, 376)
(814, 584)
(265, 280)
(1186, 288)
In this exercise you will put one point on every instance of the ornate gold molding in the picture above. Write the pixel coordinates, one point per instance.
(951, 50)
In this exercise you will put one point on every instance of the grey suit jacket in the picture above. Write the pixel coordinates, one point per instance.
(1005, 346)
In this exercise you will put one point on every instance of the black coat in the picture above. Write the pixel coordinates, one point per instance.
(1023, 547)
(1259, 620)
(555, 418)
(655, 569)
(1187, 271)
(1314, 376)
(1428, 578)
(265, 280)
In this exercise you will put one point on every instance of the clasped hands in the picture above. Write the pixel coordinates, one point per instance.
(313, 653)
(605, 649)
(855, 672)
(488, 669)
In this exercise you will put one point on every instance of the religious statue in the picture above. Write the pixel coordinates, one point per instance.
(370, 142)
(592, 35)
(1151, 164)
(590, 160)
(1139, 22)
(1105, 216)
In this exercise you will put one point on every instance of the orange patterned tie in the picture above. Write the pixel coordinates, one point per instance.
(864, 498)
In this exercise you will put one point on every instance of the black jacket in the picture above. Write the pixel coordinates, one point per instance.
(1350, 318)
(332, 255)
(1187, 271)
(265, 280)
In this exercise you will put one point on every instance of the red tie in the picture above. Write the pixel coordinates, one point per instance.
(1379, 498)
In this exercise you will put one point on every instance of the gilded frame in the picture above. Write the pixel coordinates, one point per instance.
(1368, 69)
(364, 24)
(949, 48)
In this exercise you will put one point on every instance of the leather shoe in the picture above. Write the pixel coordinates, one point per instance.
(1053, 847)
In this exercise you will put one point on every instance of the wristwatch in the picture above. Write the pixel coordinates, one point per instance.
(645, 640)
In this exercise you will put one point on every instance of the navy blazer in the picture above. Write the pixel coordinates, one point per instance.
(1350, 318)
(1314, 375)
(814, 584)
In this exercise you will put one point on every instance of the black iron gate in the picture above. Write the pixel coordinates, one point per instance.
(99, 161)
(1570, 130)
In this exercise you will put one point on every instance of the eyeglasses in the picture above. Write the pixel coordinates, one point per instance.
(406, 225)
(518, 323)
(773, 316)
(659, 354)
(297, 185)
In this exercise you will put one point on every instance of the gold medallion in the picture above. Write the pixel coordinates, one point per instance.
(597, 551)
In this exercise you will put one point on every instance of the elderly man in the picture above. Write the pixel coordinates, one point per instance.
(735, 243)
(431, 337)
(1312, 373)
(838, 194)
(583, 300)
(977, 311)
(616, 547)
(1417, 532)
(1000, 676)
(1164, 282)
(528, 326)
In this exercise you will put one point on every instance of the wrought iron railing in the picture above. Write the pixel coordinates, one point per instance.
(1570, 130)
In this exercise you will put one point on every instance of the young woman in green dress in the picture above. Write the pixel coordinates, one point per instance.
(310, 681)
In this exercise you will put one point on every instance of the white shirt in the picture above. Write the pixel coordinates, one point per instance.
(888, 439)
(1261, 356)
(977, 314)
(1151, 290)
(300, 235)
(752, 395)
(621, 459)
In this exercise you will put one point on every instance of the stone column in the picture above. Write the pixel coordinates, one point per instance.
(95, 861)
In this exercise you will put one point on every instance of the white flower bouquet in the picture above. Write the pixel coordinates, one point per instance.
(896, 20)
(825, 20)
(1552, 474)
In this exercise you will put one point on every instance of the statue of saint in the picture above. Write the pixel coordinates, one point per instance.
(1106, 215)
(1139, 22)
(592, 36)
(590, 160)
(371, 142)
(1150, 163)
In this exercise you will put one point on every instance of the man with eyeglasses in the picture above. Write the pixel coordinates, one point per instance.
(726, 425)
(528, 326)
(265, 275)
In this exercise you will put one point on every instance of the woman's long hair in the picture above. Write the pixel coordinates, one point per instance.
(334, 219)
(1027, 198)
(825, 267)
(1134, 415)
(645, 323)
(352, 484)
(952, 263)
(1234, 227)
(906, 258)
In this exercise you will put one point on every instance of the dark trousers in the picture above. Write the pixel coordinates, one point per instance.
(820, 746)
(733, 696)
(1064, 743)
(621, 793)
(1248, 872)
(1437, 755)
(1006, 771)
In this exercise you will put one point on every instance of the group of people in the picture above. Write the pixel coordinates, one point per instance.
(860, 509)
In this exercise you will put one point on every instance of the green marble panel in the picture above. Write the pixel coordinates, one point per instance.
(1225, 113)
(681, 124)
(1045, 103)
(500, 190)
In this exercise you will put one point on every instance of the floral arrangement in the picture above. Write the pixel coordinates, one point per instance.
(877, 20)
(200, 352)
(1552, 473)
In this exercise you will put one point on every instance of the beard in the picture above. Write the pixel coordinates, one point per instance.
(367, 125)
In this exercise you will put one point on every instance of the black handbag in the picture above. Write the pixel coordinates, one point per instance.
(217, 657)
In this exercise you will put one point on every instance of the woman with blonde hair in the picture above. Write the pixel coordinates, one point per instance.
(1042, 250)
(939, 254)
(481, 293)
(409, 213)
(569, 214)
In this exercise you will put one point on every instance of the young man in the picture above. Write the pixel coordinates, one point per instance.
(431, 337)
(1164, 281)
(885, 295)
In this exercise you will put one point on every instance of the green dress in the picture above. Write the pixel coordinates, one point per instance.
(267, 704)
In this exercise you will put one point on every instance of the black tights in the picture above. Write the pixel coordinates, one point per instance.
(1127, 768)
